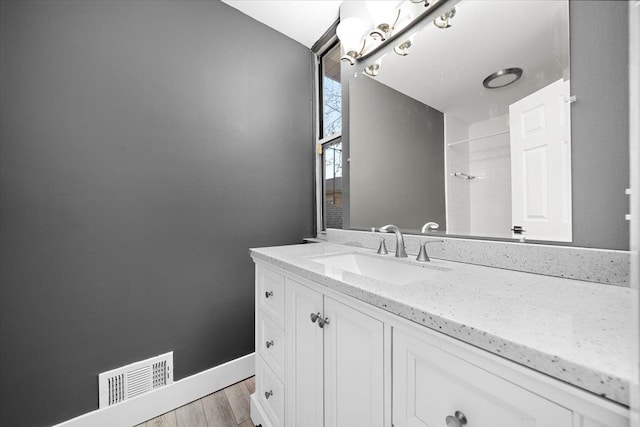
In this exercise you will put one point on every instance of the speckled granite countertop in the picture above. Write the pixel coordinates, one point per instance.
(578, 332)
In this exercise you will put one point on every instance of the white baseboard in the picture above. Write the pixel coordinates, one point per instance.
(150, 405)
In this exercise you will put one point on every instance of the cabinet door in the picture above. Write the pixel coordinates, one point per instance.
(304, 357)
(354, 370)
(430, 384)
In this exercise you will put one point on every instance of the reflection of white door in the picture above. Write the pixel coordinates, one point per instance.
(541, 163)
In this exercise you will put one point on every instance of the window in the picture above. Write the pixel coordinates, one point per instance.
(329, 164)
(332, 185)
(331, 96)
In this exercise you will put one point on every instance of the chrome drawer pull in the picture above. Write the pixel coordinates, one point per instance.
(314, 317)
(269, 343)
(268, 294)
(268, 394)
(458, 420)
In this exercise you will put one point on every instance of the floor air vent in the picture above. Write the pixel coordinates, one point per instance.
(137, 378)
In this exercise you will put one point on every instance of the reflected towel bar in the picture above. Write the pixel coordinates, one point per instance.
(478, 137)
(463, 175)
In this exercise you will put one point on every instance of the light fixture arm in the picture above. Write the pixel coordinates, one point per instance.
(385, 33)
(382, 31)
(352, 55)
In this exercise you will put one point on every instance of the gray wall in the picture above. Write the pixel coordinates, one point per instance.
(145, 146)
(599, 123)
(397, 158)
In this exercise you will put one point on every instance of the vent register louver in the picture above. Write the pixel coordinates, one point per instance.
(132, 380)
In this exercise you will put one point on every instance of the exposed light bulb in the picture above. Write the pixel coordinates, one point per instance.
(351, 32)
(383, 11)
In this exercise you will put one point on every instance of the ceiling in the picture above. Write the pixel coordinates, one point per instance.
(305, 21)
(445, 68)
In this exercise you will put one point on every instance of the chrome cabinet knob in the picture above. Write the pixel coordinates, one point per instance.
(314, 317)
(322, 322)
(268, 294)
(268, 394)
(457, 420)
(269, 343)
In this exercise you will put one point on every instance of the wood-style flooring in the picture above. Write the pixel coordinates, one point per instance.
(228, 407)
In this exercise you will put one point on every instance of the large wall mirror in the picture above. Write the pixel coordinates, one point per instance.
(472, 128)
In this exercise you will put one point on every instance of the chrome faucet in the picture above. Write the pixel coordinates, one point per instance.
(400, 251)
(430, 226)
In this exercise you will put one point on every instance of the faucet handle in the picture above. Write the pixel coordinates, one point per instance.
(382, 249)
(429, 226)
(422, 256)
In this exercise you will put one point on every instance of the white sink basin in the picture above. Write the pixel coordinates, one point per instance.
(375, 267)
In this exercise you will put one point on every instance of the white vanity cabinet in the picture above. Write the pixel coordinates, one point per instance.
(332, 370)
(335, 363)
(327, 359)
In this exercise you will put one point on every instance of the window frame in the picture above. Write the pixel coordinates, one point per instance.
(335, 138)
(322, 47)
(321, 137)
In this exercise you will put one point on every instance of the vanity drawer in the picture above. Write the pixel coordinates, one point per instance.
(270, 344)
(430, 384)
(270, 294)
(270, 392)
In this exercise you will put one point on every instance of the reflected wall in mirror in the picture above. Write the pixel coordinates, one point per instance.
(397, 160)
(427, 141)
